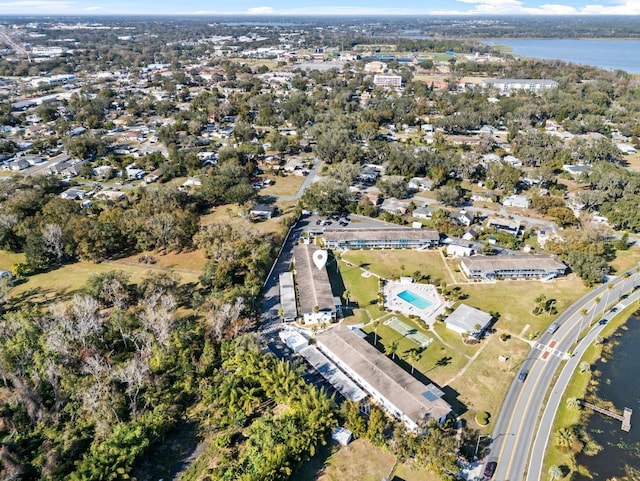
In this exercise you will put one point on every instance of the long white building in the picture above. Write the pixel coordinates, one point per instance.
(508, 85)
(397, 391)
(518, 266)
(387, 238)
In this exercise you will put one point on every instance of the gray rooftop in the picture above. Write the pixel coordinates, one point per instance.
(381, 234)
(467, 317)
(512, 262)
(288, 296)
(314, 288)
(417, 401)
(331, 373)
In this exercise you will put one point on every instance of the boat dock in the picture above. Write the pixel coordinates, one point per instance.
(625, 418)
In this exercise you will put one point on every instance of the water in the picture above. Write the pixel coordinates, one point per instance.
(414, 299)
(618, 384)
(605, 54)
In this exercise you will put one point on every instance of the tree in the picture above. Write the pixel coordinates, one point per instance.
(449, 195)
(414, 355)
(376, 323)
(326, 197)
(391, 349)
(375, 428)
(555, 473)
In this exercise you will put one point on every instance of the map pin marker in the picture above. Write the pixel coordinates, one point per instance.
(320, 258)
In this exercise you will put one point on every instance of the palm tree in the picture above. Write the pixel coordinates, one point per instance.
(376, 323)
(555, 473)
(414, 356)
(346, 294)
(609, 288)
(392, 348)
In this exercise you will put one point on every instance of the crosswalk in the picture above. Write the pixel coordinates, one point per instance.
(548, 350)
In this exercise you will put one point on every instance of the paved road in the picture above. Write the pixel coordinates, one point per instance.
(513, 434)
(308, 180)
(534, 472)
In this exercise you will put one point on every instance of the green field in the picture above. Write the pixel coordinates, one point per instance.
(395, 263)
(514, 301)
(438, 362)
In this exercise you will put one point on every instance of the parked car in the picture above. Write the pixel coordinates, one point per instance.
(489, 469)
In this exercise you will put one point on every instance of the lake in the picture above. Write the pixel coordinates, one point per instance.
(606, 54)
(618, 384)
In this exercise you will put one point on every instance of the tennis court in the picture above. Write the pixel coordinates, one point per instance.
(409, 332)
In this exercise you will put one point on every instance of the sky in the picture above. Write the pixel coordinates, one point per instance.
(320, 7)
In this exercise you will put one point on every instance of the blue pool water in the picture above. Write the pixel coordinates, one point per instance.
(414, 299)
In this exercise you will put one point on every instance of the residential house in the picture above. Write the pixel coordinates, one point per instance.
(519, 201)
(504, 225)
(420, 183)
(423, 212)
(394, 206)
(263, 211)
(517, 266)
(74, 193)
(468, 320)
(463, 217)
(381, 238)
(460, 249)
(18, 164)
(397, 391)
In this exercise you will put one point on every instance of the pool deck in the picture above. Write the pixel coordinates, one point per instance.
(427, 291)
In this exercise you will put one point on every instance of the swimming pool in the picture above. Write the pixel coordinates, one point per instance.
(414, 299)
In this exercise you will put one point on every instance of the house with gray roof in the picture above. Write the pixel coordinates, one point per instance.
(397, 391)
(468, 320)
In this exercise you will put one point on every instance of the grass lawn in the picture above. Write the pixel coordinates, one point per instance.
(514, 300)
(8, 259)
(188, 264)
(389, 263)
(632, 161)
(363, 292)
(438, 362)
(62, 283)
(486, 382)
(281, 186)
(359, 461)
(455, 340)
(228, 214)
(626, 260)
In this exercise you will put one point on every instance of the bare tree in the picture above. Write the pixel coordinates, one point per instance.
(133, 374)
(85, 310)
(220, 318)
(52, 241)
(158, 317)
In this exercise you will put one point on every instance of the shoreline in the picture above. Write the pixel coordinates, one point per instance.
(582, 386)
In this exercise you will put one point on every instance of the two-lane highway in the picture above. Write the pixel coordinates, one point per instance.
(515, 427)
